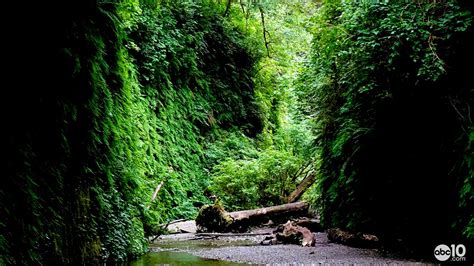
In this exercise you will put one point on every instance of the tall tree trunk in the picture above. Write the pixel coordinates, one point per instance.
(265, 32)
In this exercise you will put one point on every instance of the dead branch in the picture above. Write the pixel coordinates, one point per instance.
(153, 197)
(227, 8)
(460, 115)
(231, 234)
(301, 170)
(155, 193)
(172, 222)
(204, 238)
(430, 42)
(242, 6)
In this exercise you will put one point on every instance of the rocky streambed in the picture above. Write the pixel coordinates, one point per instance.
(235, 249)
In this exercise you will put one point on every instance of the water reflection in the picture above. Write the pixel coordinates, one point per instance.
(177, 258)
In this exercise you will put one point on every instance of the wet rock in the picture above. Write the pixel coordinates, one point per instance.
(313, 225)
(353, 239)
(294, 234)
(268, 242)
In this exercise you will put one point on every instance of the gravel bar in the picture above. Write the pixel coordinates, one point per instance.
(324, 252)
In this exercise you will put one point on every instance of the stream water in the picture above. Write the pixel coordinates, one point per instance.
(185, 249)
(172, 252)
(177, 258)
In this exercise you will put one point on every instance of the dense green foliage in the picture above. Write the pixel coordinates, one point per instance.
(391, 91)
(119, 97)
(106, 101)
(195, 74)
(265, 170)
(254, 178)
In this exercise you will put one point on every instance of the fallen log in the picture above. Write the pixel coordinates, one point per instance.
(302, 187)
(290, 208)
(213, 218)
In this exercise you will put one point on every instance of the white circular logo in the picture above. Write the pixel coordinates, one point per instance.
(442, 252)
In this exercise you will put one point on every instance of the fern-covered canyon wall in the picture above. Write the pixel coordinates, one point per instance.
(108, 99)
(391, 90)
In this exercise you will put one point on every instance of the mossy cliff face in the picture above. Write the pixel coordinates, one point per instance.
(70, 191)
(108, 100)
(390, 100)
